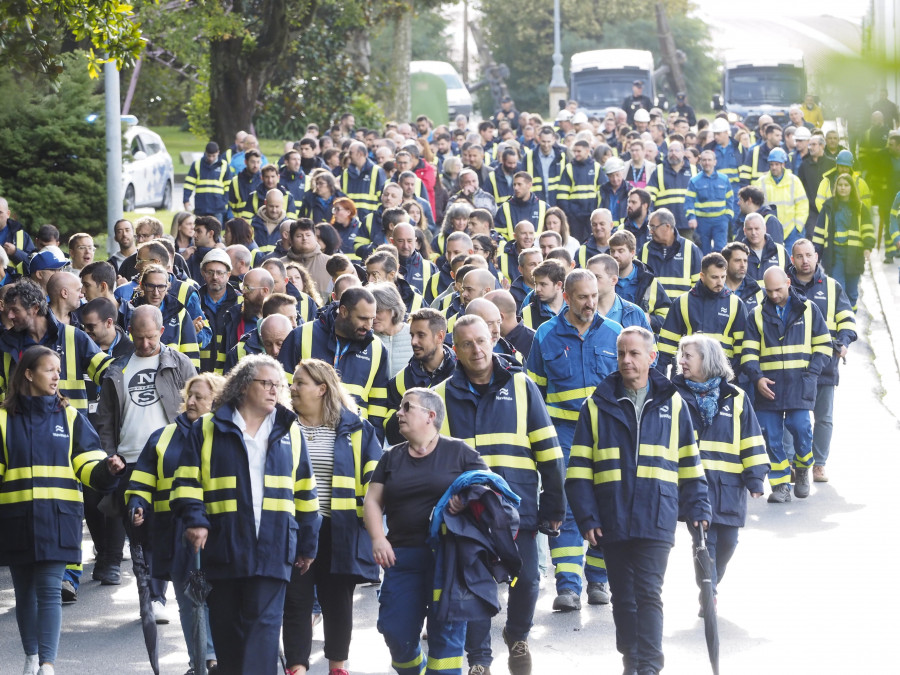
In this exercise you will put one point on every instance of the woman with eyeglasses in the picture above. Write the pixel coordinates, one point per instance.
(49, 450)
(178, 328)
(343, 450)
(246, 496)
(346, 224)
(407, 483)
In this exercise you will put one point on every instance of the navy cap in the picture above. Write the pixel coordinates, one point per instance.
(46, 260)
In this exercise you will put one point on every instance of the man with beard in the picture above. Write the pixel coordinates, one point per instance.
(242, 317)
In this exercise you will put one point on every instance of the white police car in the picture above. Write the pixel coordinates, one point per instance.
(148, 175)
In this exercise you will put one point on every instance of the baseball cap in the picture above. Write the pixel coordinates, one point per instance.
(46, 260)
(778, 155)
(641, 115)
(844, 158)
(719, 125)
(680, 94)
(638, 83)
(802, 134)
(216, 255)
(613, 164)
(212, 148)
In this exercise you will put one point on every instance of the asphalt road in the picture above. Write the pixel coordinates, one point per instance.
(810, 589)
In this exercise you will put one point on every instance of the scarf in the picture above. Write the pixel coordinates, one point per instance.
(707, 394)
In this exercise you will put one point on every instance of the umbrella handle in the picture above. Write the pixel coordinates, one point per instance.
(197, 561)
(702, 536)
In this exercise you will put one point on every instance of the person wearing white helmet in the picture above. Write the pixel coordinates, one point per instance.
(785, 192)
(801, 148)
(580, 121)
(614, 193)
(641, 120)
(729, 153)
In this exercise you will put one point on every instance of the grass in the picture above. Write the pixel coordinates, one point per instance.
(178, 141)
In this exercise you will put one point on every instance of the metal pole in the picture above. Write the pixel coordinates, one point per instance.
(113, 154)
(558, 90)
(465, 29)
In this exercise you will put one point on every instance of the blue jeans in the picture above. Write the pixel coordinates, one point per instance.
(773, 424)
(39, 607)
(850, 282)
(721, 541)
(181, 567)
(711, 234)
(520, 608)
(823, 427)
(637, 568)
(404, 603)
(567, 550)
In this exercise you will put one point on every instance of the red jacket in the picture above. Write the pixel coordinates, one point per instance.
(428, 175)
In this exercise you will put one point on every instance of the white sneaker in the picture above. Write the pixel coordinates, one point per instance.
(160, 614)
(46, 669)
(32, 664)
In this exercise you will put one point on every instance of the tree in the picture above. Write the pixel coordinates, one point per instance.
(33, 35)
(55, 168)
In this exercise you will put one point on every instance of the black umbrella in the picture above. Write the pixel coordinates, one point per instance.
(197, 588)
(142, 575)
(704, 569)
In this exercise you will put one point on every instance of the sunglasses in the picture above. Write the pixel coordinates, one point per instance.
(406, 405)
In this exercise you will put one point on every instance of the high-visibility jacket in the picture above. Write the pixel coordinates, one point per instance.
(729, 160)
(793, 353)
(178, 329)
(668, 189)
(414, 375)
(732, 450)
(370, 234)
(348, 234)
(364, 186)
(412, 299)
(587, 251)
(509, 261)
(361, 364)
(641, 233)
(318, 210)
(417, 271)
(826, 188)
(212, 357)
(212, 489)
(857, 238)
(566, 366)
(209, 185)
(633, 476)
(616, 201)
(535, 313)
(258, 199)
(721, 316)
(79, 357)
(756, 162)
(513, 211)
(647, 293)
(710, 198)
(439, 282)
(774, 228)
(240, 190)
(579, 187)
(676, 267)
(498, 187)
(14, 234)
(47, 451)
(511, 430)
(293, 183)
(150, 489)
(789, 199)
(248, 345)
(751, 293)
(520, 290)
(773, 255)
(231, 327)
(546, 187)
(832, 301)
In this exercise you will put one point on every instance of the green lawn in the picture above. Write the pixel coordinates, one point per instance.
(178, 141)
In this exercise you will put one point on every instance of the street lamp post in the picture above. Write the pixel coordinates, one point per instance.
(558, 90)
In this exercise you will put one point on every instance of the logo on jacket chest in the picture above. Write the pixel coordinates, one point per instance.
(664, 413)
(726, 411)
(503, 395)
(363, 356)
(59, 431)
(723, 311)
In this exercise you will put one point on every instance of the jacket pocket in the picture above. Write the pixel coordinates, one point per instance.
(732, 495)
(667, 507)
(809, 388)
(558, 365)
(69, 517)
(15, 528)
(605, 361)
(291, 541)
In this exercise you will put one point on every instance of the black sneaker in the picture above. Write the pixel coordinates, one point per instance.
(98, 571)
(111, 576)
(598, 593)
(519, 662)
(567, 601)
(801, 486)
(69, 594)
(781, 493)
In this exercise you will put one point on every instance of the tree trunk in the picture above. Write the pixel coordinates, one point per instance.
(398, 106)
(359, 49)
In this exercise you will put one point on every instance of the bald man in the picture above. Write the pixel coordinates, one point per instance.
(64, 291)
(267, 220)
(512, 328)
(476, 284)
(786, 347)
(523, 238)
(242, 318)
(272, 333)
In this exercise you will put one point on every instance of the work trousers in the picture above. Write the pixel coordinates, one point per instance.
(711, 234)
(823, 427)
(773, 424)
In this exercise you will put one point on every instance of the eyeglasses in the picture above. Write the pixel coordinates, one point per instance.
(656, 227)
(270, 386)
(85, 249)
(155, 288)
(143, 237)
(247, 289)
(215, 273)
(406, 405)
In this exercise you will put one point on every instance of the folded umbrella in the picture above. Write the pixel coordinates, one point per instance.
(704, 569)
(142, 574)
(197, 588)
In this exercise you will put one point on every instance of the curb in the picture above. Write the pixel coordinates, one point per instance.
(889, 308)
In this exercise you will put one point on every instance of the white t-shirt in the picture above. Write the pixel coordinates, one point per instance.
(144, 412)
(257, 447)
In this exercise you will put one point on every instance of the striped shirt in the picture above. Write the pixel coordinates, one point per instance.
(320, 443)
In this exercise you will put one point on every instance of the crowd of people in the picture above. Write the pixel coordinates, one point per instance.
(625, 322)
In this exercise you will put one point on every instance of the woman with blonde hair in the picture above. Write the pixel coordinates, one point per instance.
(343, 450)
(555, 220)
(299, 276)
(148, 495)
(182, 232)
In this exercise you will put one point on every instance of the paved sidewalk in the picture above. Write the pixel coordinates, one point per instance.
(887, 286)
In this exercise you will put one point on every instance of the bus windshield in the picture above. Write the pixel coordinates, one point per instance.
(775, 86)
(597, 89)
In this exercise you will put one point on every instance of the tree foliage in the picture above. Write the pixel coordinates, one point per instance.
(521, 36)
(33, 34)
(55, 171)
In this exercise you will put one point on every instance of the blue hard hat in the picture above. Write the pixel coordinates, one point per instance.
(844, 158)
(778, 155)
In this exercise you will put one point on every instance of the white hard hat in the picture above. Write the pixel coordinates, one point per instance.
(802, 134)
(564, 116)
(641, 116)
(719, 125)
(579, 118)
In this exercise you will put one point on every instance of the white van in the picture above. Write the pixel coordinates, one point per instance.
(459, 100)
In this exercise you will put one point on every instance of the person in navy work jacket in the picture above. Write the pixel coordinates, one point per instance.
(634, 471)
(40, 496)
(246, 496)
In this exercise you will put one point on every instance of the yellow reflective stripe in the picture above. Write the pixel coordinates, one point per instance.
(277, 504)
(594, 561)
(446, 663)
(144, 478)
(562, 414)
(574, 568)
(343, 482)
(694, 471)
(657, 473)
(285, 482)
(578, 472)
(306, 505)
(66, 494)
(223, 483)
(539, 435)
(224, 506)
(582, 451)
(610, 476)
(550, 455)
(343, 503)
(570, 394)
(26, 472)
(408, 664)
(566, 551)
(508, 461)
(721, 465)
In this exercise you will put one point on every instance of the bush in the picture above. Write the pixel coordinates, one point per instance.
(55, 161)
